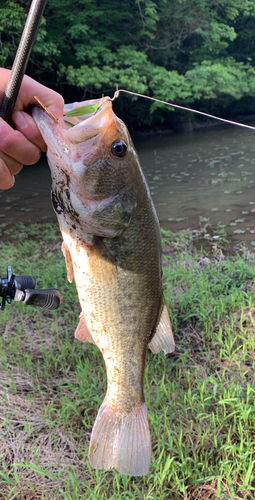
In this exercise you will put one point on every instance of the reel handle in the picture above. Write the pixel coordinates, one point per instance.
(47, 299)
(22, 289)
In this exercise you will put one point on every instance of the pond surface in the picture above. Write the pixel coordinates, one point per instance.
(199, 177)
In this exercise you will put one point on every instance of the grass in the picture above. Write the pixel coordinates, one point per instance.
(201, 398)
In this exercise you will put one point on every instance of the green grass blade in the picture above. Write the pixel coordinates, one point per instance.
(83, 110)
(69, 123)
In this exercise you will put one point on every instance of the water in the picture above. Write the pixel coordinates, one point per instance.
(204, 176)
(29, 199)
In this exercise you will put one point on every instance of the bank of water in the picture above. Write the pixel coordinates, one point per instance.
(202, 177)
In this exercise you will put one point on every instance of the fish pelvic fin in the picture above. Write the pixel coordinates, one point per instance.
(69, 262)
(121, 440)
(82, 331)
(163, 339)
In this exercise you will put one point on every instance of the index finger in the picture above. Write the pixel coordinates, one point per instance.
(30, 88)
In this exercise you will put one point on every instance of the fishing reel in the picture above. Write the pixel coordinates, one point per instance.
(22, 289)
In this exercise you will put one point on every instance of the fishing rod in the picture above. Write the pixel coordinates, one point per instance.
(22, 288)
(21, 59)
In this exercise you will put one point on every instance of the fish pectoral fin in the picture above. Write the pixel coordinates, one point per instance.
(101, 263)
(82, 331)
(163, 339)
(69, 263)
(121, 440)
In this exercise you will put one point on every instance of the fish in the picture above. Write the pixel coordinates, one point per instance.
(112, 248)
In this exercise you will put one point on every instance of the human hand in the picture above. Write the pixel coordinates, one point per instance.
(23, 145)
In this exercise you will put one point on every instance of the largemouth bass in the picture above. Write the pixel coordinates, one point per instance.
(112, 247)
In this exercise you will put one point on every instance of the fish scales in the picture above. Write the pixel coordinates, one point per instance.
(130, 304)
(112, 246)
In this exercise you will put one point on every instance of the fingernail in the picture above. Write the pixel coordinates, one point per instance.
(19, 120)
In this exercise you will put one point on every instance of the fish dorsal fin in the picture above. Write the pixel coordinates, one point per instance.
(82, 331)
(163, 339)
(69, 263)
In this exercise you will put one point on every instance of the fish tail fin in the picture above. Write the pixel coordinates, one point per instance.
(121, 440)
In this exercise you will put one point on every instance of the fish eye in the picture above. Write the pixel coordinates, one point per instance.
(119, 148)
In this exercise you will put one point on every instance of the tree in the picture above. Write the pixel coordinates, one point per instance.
(187, 51)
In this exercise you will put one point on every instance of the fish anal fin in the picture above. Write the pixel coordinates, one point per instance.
(163, 339)
(69, 263)
(82, 331)
(121, 440)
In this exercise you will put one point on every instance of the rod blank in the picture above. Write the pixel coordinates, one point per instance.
(22, 57)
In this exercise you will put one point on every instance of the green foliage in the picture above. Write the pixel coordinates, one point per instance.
(211, 80)
(12, 20)
(181, 50)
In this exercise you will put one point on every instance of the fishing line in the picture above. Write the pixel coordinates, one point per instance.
(116, 94)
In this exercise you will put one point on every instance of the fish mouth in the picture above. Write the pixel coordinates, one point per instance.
(87, 126)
